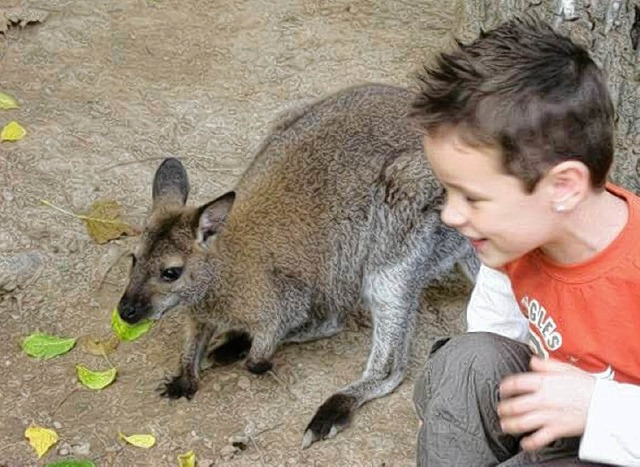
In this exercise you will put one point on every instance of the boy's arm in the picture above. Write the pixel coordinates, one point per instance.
(493, 307)
(612, 432)
(612, 428)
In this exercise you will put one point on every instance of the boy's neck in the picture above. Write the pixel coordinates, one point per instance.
(589, 229)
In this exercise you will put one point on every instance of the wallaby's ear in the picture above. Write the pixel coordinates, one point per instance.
(171, 184)
(211, 216)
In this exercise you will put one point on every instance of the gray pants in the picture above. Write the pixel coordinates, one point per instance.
(456, 398)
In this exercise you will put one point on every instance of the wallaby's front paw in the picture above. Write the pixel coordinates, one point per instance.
(177, 387)
(258, 366)
(332, 416)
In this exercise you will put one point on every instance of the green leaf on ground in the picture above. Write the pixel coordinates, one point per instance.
(126, 331)
(95, 379)
(8, 102)
(71, 463)
(45, 346)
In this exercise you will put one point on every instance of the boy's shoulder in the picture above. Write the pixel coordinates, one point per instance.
(631, 198)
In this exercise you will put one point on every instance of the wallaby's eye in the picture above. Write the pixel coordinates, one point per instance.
(171, 274)
(133, 260)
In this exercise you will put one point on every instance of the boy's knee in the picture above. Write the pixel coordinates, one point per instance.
(484, 353)
(458, 361)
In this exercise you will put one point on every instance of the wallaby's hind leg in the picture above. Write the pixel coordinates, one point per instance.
(235, 347)
(392, 297)
(185, 384)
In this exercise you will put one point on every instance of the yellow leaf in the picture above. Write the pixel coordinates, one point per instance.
(12, 132)
(7, 102)
(187, 460)
(95, 379)
(104, 223)
(98, 346)
(41, 439)
(141, 441)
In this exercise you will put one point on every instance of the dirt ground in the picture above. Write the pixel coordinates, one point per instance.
(107, 89)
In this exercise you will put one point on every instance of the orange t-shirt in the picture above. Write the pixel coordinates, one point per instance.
(587, 314)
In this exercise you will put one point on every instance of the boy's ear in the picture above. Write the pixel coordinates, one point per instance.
(211, 217)
(569, 184)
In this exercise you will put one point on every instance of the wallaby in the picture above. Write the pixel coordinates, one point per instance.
(338, 209)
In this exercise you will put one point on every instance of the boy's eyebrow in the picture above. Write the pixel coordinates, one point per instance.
(463, 189)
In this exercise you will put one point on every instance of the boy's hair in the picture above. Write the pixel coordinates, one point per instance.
(529, 92)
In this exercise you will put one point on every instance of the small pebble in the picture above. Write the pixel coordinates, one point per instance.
(82, 449)
(64, 449)
(244, 383)
(57, 425)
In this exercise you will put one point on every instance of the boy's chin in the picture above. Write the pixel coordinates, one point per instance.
(494, 260)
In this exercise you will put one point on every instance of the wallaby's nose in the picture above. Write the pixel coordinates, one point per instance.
(128, 310)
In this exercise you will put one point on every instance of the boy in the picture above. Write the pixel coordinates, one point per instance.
(519, 129)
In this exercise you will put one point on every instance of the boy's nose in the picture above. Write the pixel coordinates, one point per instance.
(452, 216)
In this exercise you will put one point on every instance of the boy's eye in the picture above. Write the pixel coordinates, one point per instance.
(171, 274)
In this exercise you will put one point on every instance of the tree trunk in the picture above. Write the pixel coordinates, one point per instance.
(610, 30)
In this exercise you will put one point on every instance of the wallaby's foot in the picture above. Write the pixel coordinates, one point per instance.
(332, 416)
(235, 348)
(178, 386)
(258, 367)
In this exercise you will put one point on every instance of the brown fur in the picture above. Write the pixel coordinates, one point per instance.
(338, 209)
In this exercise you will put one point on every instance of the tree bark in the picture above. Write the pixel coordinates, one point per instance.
(610, 30)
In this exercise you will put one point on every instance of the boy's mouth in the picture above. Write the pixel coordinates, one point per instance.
(478, 243)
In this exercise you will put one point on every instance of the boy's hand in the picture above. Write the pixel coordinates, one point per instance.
(549, 403)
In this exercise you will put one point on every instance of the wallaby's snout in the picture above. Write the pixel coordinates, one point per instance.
(132, 310)
(151, 289)
(157, 281)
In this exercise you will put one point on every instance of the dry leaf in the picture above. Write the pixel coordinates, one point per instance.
(8, 102)
(12, 132)
(104, 223)
(187, 460)
(140, 441)
(41, 439)
(95, 346)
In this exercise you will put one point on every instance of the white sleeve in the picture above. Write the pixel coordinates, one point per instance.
(612, 434)
(493, 307)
